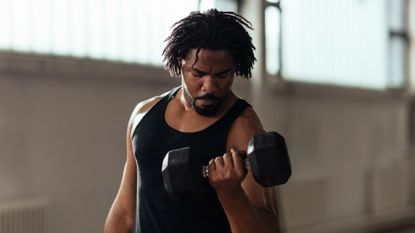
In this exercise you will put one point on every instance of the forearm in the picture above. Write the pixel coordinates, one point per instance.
(241, 214)
(118, 222)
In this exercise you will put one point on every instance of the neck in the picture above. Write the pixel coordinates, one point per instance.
(186, 100)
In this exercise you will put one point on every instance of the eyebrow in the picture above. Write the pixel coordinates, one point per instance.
(203, 72)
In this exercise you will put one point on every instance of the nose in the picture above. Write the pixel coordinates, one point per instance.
(210, 84)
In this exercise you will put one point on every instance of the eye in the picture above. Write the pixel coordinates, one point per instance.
(223, 75)
(197, 74)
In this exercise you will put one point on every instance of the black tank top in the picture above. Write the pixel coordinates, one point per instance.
(156, 211)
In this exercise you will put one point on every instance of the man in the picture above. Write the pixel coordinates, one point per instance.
(206, 50)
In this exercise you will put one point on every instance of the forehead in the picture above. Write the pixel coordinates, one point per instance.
(209, 60)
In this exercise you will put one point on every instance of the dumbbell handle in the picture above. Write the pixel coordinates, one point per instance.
(205, 169)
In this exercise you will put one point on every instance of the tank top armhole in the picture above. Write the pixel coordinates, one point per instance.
(165, 98)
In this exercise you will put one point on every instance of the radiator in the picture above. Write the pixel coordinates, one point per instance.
(24, 216)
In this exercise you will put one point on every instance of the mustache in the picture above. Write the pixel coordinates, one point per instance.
(208, 97)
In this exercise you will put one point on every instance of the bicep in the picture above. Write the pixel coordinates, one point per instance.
(129, 178)
(121, 217)
(262, 199)
(127, 192)
(125, 198)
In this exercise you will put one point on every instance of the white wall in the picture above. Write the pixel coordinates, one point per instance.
(62, 132)
(63, 138)
(350, 151)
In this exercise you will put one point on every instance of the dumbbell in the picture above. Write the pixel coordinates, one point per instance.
(267, 157)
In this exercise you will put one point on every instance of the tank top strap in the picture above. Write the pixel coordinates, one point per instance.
(166, 99)
(162, 104)
(172, 93)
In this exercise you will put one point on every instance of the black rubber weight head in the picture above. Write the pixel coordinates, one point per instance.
(176, 172)
(269, 160)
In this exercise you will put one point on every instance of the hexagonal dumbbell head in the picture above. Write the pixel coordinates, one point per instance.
(181, 178)
(176, 172)
(268, 159)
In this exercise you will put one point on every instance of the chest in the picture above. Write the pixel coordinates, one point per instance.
(186, 121)
(154, 137)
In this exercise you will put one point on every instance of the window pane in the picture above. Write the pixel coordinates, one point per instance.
(412, 45)
(60, 27)
(272, 33)
(397, 66)
(78, 28)
(125, 30)
(224, 5)
(397, 45)
(341, 42)
(41, 23)
(396, 16)
(20, 17)
(5, 25)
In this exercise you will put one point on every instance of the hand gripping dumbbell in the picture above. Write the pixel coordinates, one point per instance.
(267, 157)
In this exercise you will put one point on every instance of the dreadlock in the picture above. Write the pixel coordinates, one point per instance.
(215, 30)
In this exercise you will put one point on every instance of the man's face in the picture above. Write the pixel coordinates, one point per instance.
(207, 82)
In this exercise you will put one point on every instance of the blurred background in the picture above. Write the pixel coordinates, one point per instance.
(335, 77)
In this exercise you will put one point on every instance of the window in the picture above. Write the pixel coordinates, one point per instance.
(347, 42)
(123, 30)
(398, 43)
(273, 37)
(224, 5)
(411, 31)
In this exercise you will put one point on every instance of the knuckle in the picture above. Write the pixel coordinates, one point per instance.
(240, 173)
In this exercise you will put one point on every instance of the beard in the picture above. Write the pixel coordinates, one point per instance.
(205, 110)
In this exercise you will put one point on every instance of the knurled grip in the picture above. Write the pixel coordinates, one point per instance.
(205, 169)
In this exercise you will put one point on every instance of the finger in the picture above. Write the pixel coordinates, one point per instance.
(211, 168)
(212, 164)
(237, 160)
(228, 160)
(219, 161)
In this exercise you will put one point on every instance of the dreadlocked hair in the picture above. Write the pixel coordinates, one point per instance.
(215, 30)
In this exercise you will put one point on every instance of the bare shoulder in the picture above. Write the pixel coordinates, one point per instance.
(250, 119)
(243, 129)
(145, 105)
(141, 109)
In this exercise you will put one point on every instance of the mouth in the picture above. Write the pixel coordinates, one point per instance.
(207, 101)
